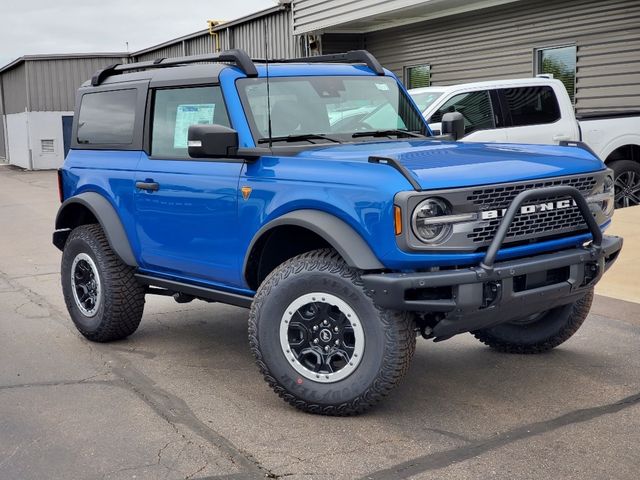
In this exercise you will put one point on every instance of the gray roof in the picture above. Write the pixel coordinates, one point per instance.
(62, 56)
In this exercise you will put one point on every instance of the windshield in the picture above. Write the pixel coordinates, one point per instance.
(424, 99)
(336, 107)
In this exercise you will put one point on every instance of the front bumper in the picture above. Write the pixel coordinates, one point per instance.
(469, 299)
(480, 297)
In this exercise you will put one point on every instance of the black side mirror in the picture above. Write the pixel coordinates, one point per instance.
(453, 125)
(209, 140)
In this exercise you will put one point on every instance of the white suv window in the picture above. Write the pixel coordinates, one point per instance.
(531, 105)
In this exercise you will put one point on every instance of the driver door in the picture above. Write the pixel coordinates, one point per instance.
(186, 208)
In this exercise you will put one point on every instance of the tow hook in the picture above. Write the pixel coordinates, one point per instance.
(491, 293)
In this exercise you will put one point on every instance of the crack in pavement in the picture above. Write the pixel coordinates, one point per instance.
(235, 476)
(173, 409)
(436, 461)
(85, 381)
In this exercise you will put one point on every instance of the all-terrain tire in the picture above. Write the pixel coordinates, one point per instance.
(555, 327)
(390, 336)
(121, 297)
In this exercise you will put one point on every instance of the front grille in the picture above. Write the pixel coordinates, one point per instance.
(550, 222)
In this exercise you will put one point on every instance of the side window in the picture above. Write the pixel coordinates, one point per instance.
(175, 109)
(107, 118)
(475, 107)
(560, 62)
(532, 105)
(417, 76)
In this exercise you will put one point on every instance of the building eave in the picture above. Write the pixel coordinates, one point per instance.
(61, 56)
(380, 19)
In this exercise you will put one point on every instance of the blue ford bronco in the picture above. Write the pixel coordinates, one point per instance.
(312, 192)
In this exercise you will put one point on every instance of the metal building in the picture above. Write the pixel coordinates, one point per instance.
(268, 29)
(37, 92)
(593, 46)
(37, 96)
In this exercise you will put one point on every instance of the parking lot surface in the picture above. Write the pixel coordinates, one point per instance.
(181, 398)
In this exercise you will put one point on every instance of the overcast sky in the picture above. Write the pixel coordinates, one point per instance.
(29, 27)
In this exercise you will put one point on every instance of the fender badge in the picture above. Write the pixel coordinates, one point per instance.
(246, 191)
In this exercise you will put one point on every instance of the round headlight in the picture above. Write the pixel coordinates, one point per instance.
(425, 220)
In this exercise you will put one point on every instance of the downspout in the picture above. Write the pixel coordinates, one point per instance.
(27, 112)
(5, 130)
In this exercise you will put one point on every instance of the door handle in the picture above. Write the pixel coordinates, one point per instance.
(149, 186)
(560, 137)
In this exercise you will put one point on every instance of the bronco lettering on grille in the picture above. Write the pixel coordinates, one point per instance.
(528, 209)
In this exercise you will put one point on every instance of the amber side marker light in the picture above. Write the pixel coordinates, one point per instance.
(397, 216)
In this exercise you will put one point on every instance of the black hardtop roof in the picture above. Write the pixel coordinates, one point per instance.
(207, 67)
(201, 73)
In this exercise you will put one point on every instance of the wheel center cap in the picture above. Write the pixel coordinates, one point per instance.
(325, 335)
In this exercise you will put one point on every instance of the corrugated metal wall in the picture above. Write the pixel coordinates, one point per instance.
(14, 88)
(249, 36)
(202, 44)
(500, 43)
(170, 51)
(53, 83)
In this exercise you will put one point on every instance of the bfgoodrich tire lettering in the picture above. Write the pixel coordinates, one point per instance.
(544, 333)
(389, 337)
(120, 300)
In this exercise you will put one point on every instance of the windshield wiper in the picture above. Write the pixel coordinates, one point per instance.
(301, 137)
(386, 133)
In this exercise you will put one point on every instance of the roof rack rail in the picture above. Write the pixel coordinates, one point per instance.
(352, 56)
(239, 57)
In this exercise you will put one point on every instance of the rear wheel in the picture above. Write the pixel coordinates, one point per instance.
(627, 183)
(320, 341)
(102, 295)
(540, 332)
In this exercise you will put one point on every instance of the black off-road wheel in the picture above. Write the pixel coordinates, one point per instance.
(319, 340)
(538, 333)
(103, 297)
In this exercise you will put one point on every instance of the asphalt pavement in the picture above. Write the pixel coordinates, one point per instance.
(182, 398)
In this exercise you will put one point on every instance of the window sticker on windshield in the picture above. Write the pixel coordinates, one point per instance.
(187, 115)
(382, 86)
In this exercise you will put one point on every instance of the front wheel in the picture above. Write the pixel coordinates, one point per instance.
(540, 332)
(319, 340)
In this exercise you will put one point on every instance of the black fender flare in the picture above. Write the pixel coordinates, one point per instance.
(108, 218)
(341, 236)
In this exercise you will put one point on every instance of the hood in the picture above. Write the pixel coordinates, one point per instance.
(438, 164)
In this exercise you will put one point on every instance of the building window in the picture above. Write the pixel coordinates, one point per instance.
(561, 63)
(417, 76)
(107, 118)
(175, 110)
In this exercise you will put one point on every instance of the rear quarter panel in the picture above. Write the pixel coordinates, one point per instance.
(109, 173)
